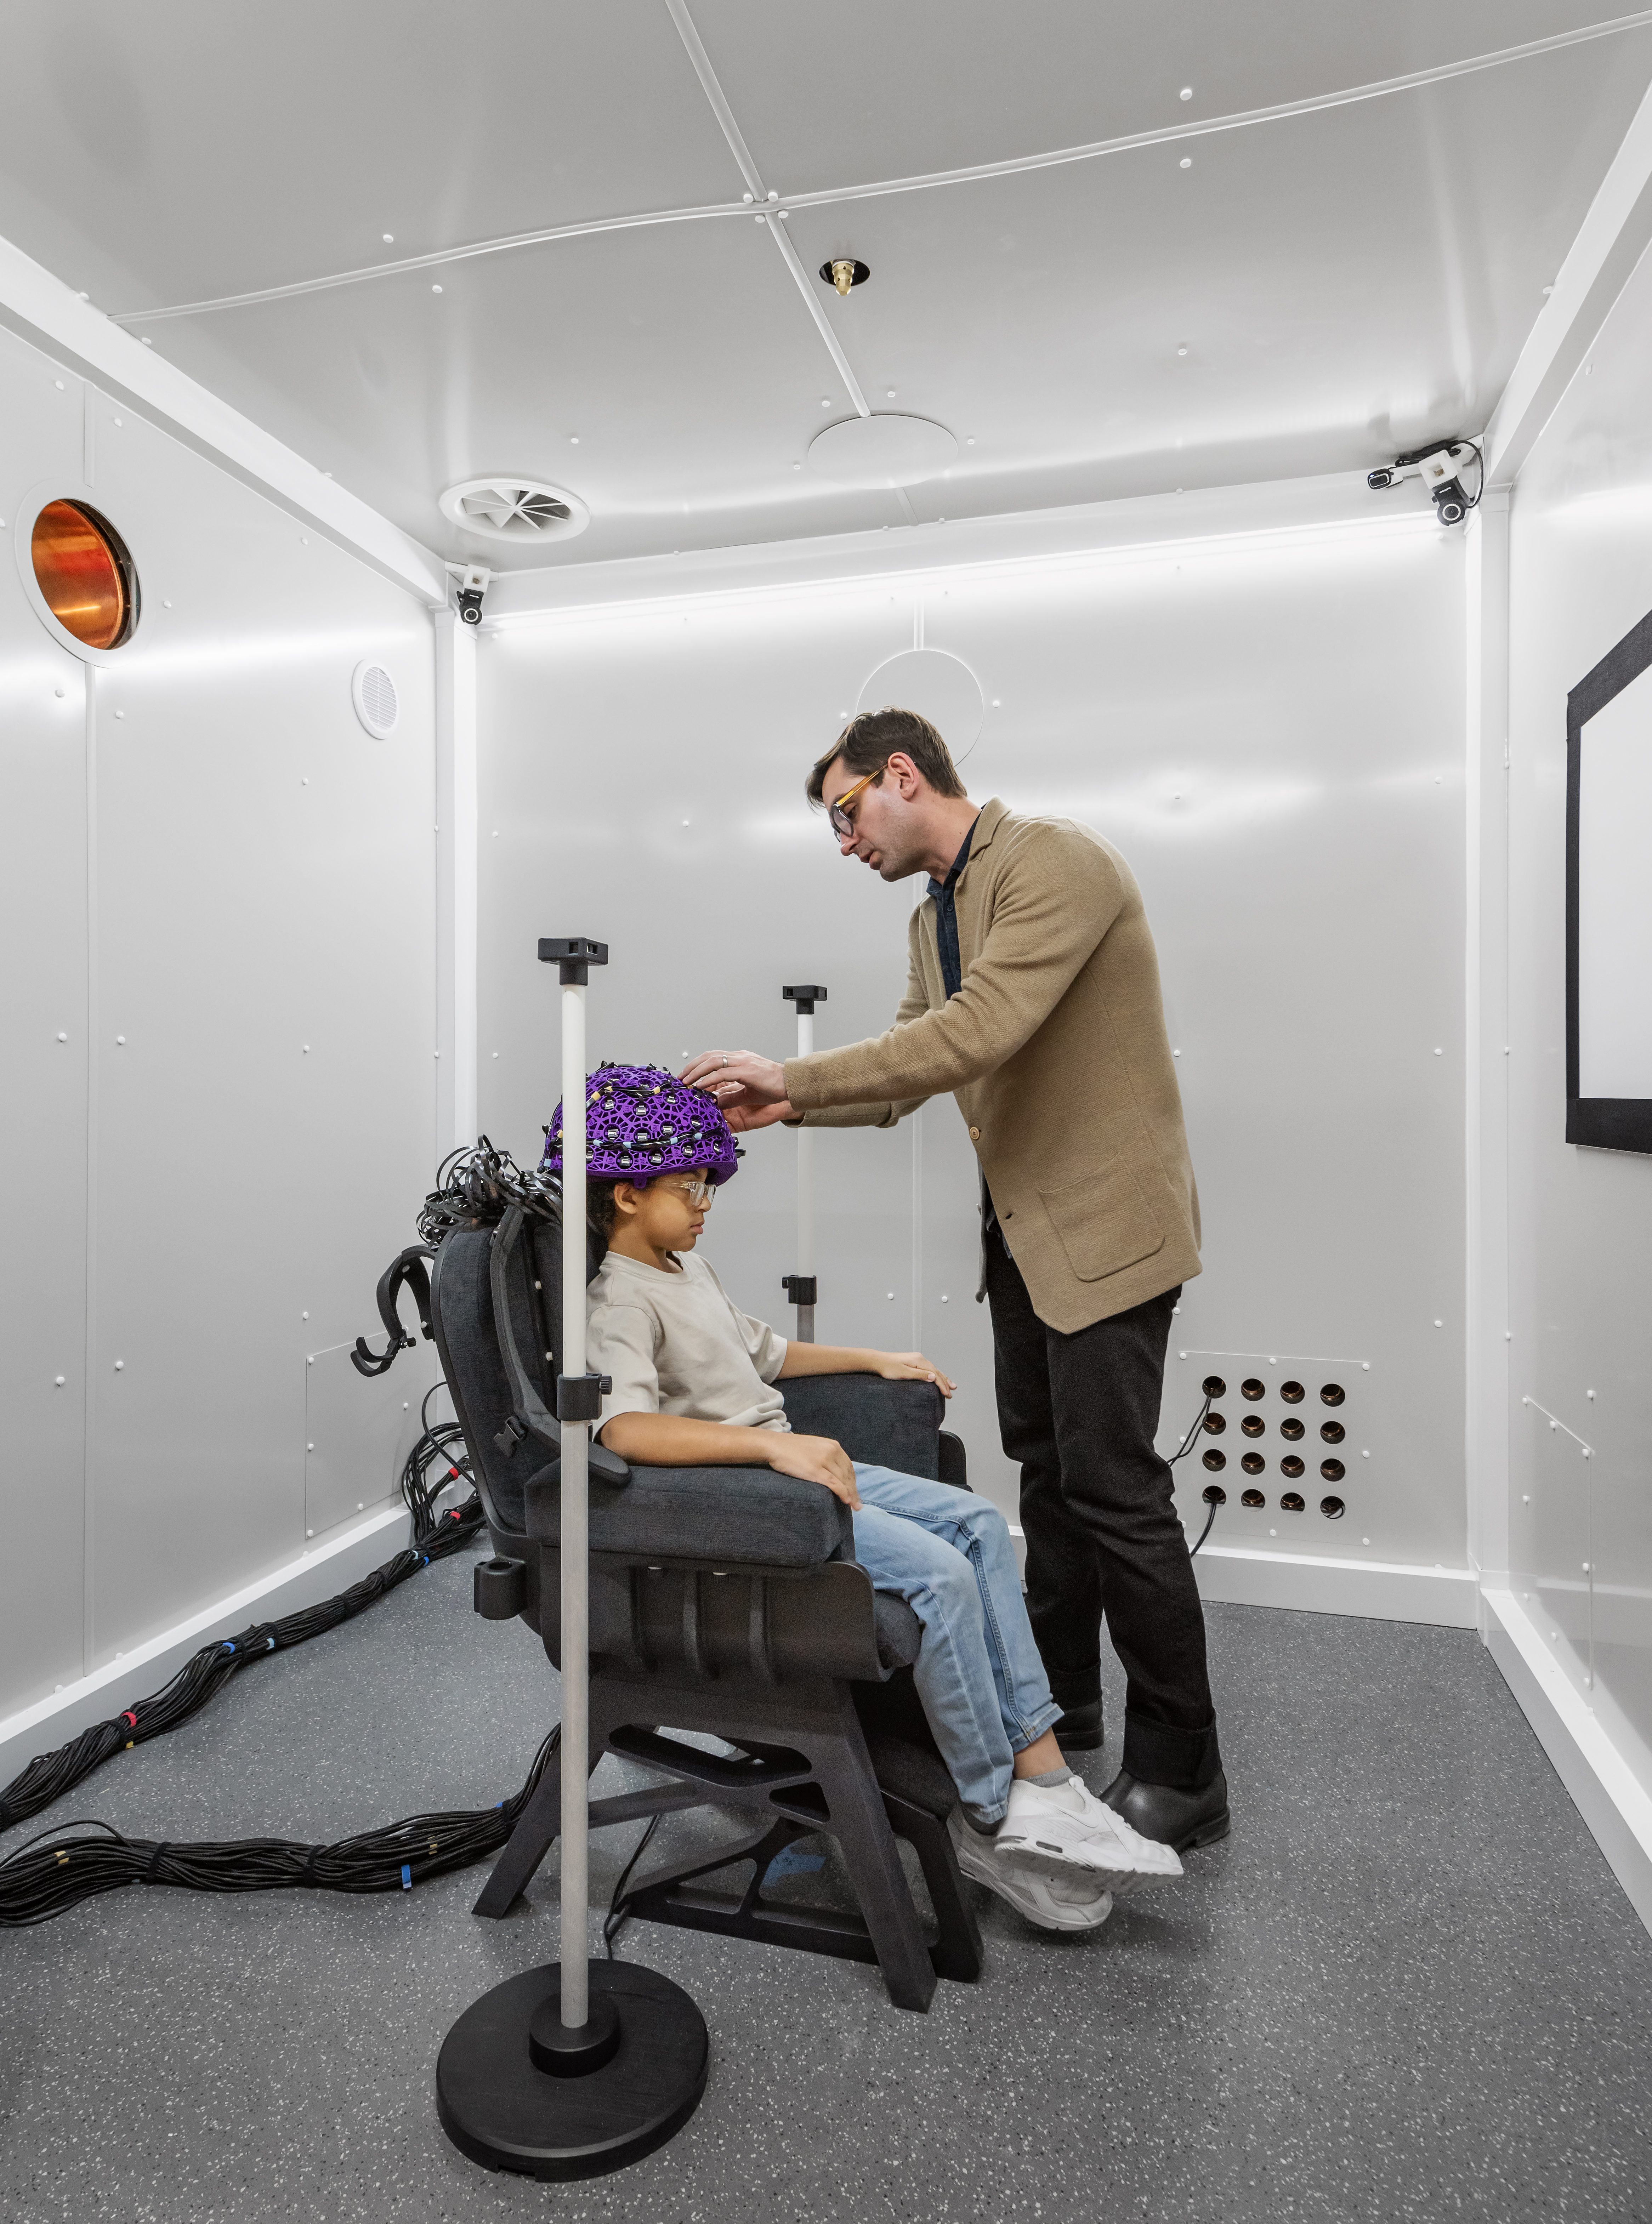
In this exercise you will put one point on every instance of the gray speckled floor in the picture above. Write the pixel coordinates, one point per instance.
(1408, 1988)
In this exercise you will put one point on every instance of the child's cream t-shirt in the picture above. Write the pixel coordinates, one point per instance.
(675, 1343)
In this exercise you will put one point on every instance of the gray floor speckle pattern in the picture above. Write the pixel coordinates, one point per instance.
(1408, 1988)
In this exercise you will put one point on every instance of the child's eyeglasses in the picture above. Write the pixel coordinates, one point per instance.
(842, 824)
(698, 1193)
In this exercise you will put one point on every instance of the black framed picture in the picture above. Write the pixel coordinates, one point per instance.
(1609, 899)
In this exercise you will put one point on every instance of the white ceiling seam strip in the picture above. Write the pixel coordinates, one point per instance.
(434, 261)
(818, 312)
(1168, 134)
(825, 197)
(702, 61)
(679, 15)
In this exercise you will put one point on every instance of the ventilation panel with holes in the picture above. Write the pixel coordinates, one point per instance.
(378, 705)
(1289, 1451)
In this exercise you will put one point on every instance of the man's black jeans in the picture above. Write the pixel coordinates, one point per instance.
(1079, 1412)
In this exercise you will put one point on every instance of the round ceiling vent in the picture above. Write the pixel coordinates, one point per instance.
(514, 510)
(378, 705)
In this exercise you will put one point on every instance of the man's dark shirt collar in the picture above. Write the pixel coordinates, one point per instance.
(946, 914)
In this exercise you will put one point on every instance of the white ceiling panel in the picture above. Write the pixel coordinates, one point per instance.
(1344, 281)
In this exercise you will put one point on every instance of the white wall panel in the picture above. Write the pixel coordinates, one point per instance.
(262, 902)
(1269, 729)
(44, 1104)
(1580, 1220)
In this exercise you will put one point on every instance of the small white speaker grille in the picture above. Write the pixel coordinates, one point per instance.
(373, 691)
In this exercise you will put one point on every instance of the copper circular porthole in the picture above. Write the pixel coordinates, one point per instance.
(84, 574)
(1216, 1461)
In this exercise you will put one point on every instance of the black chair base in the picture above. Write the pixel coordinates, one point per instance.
(500, 2107)
(806, 1767)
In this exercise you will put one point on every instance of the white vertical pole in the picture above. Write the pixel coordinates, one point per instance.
(576, 1664)
(805, 1189)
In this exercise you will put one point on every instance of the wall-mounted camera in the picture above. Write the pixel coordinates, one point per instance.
(473, 584)
(1440, 467)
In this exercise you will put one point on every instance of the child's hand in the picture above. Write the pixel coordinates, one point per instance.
(911, 1367)
(816, 1459)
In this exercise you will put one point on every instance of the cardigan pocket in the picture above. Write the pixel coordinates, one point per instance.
(1105, 1222)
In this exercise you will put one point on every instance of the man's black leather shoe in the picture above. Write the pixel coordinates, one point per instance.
(1179, 1819)
(1080, 1730)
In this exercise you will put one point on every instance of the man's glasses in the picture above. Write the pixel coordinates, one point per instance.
(842, 824)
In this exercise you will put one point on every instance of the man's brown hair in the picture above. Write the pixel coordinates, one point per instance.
(868, 742)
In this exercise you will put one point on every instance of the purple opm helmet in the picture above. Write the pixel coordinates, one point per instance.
(639, 1121)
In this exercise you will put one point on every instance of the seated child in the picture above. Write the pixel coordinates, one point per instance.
(693, 1386)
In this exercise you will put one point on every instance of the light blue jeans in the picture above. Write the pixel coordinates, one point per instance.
(983, 1686)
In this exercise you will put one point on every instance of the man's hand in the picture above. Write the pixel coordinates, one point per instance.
(909, 1367)
(815, 1459)
(739, 1080)
(763, 1115)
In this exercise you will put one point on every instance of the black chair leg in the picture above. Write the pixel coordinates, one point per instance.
(861, 1827)
(957, 1953)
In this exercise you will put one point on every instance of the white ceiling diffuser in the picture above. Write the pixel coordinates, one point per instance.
(521, 511)
(378, 705)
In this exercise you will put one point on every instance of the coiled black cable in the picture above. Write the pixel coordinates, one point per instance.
(40, 1881)
(204, 1675)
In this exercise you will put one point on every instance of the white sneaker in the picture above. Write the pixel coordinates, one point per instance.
(1051, 1826)
(1069, 1900)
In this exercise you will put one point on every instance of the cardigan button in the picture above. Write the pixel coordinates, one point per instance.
(975, 1135)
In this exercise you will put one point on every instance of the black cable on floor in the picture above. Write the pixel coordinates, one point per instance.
(619, 1913)
(40, 1881)
(436, 1534)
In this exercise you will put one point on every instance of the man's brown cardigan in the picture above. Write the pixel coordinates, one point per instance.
(1055, 1049)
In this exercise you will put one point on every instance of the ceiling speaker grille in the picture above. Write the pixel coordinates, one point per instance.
(378, 705)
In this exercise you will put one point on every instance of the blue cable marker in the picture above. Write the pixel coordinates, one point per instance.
(228, 1647)
(407, 1877)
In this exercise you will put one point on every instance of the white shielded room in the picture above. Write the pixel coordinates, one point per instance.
(1131, 1689)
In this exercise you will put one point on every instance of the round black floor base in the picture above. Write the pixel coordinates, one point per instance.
(498, 2106)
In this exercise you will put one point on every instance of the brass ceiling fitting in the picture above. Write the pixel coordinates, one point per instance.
(843, 272)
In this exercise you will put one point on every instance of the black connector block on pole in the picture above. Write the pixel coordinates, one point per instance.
(572, 953)
(800, 1289)
(579, 1397)
(805, 998)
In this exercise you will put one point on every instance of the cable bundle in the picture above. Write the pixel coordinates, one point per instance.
(42, 1880)
(476, 1185)
(202, 1676)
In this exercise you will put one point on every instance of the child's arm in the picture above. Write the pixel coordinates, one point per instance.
(672, 1440)
(841, 1359)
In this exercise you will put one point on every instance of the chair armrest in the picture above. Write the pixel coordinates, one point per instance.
(745, 1516)
(893, 1424)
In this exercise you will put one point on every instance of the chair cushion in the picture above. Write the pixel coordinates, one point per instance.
(741, 1515)
(893, 1424)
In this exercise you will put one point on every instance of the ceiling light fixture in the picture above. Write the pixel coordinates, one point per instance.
(843, 272)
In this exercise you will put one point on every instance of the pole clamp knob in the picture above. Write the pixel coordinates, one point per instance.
(579, 1397)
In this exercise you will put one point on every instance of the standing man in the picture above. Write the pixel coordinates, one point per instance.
(1033, 994)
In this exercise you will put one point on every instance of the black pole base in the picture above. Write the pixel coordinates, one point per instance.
(629, 2081)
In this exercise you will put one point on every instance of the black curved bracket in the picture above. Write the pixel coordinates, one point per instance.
(407, 1269)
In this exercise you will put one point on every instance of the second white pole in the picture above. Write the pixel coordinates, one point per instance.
(575, 1896)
